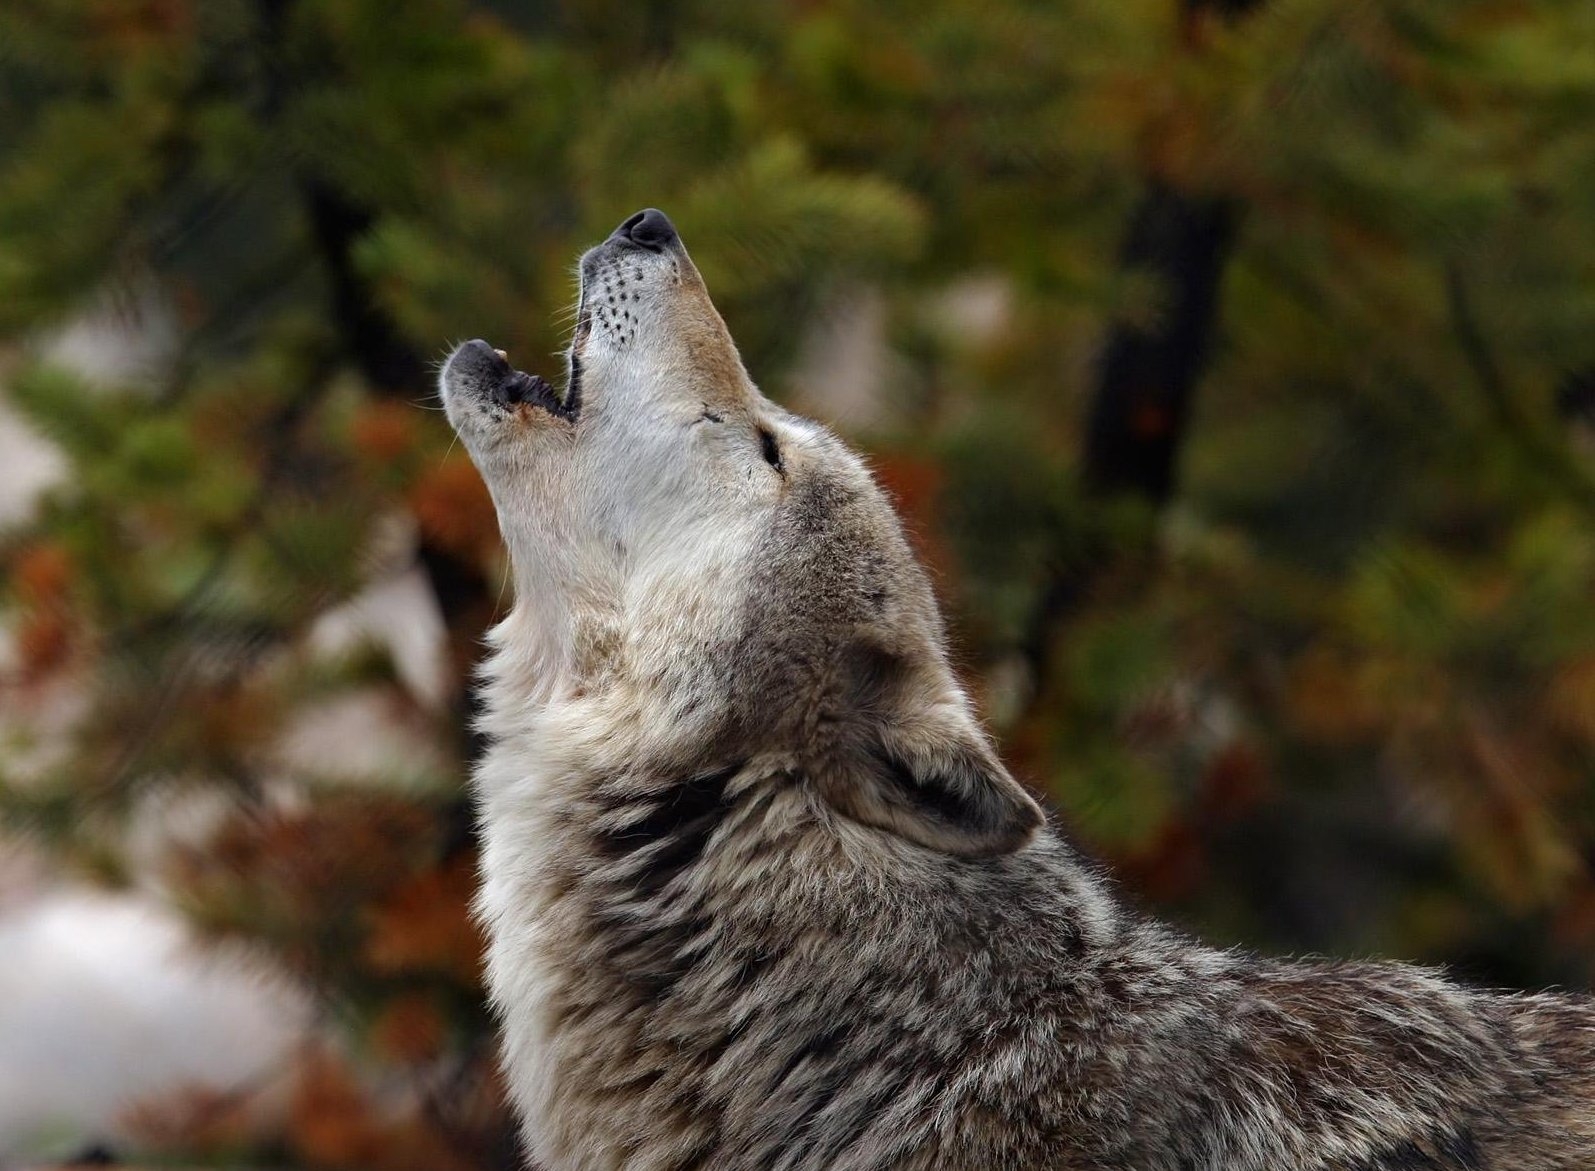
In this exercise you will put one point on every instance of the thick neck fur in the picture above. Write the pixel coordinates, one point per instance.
(700, 964)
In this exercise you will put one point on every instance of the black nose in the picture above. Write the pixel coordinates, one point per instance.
(650, 229)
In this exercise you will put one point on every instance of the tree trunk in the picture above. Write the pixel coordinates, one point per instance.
(1140, 406)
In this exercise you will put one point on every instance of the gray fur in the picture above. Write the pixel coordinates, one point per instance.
(760, 894)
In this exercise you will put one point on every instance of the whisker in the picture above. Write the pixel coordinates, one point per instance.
(442, 359)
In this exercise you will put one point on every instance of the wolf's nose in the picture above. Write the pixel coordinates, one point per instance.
(650, 229)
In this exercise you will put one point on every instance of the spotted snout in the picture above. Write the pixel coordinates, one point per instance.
(646, 334)
(631, 284)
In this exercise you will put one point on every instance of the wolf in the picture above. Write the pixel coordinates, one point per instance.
(758, 891)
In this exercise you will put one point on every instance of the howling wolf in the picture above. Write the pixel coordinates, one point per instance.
(759, 892)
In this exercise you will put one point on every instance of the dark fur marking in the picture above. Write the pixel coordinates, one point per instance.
(650, 957)
(941, 797)
(817, 1048)
(715, 1051)
(671, 834)
(852, 1121)
(770, 450)
(573, 389)
(651, 934)
(1442, 1152)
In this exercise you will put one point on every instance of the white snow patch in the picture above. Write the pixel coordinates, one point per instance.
(106, 1000)
(399, 612)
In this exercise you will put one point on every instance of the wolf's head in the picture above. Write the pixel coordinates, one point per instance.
(694, 556)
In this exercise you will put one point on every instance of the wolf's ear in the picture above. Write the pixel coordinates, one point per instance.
(941, 788)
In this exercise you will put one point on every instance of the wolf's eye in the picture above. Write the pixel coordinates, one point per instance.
(770, 450)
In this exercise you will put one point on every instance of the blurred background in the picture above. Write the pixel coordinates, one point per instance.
(1233, 363)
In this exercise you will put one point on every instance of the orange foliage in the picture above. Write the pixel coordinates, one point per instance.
(1571, 699)
(1235, 781)
(129, 22)
(1169, 868)
(41, 573)
(334, 1123)
(41, 576)
(915, 486)
(424, 925)
(384, 430)
(409, 1029)
(302, 867)
(453, 508)
(195, 1118)
(43, 643)
(321, 1111)
(233, 719)
(330, 1123)
(1325, 701)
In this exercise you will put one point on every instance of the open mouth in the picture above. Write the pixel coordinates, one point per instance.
(510, 388)
(572, 400)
